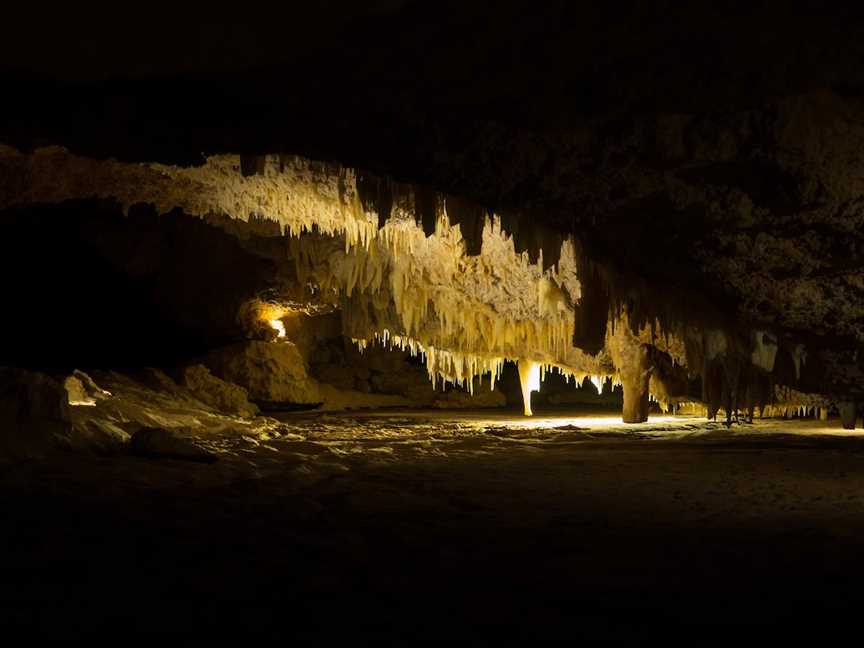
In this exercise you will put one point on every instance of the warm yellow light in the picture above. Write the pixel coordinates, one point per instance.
(77, 403)
(529, 378)
(607, 421)
(279, 327)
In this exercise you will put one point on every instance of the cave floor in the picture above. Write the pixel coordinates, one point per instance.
(434, 525)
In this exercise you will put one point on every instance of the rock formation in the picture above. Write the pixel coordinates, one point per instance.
(687, 227)
(432, 275)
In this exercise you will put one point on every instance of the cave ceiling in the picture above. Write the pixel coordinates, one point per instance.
(712, 158)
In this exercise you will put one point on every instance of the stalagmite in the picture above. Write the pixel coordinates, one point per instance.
(529, 379)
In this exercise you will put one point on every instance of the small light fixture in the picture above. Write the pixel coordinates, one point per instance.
(279, 327)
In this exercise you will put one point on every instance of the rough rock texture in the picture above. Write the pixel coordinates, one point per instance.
(269, 372)
(83, 390)
(732, 142)
(633, 360)
(170, 444)
(711, 181)
(34, 414)
(224, 396)
(465, 314)
(76, 391)
(170, 415)
(275, 375)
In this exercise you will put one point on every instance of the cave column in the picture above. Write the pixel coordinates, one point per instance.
(848, 413)
(635, 378)
(632, 359)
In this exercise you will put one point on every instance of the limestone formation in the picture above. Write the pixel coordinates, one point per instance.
(461, 287)
(378, 370)
(529, 380)
(269, 372)
(217, 393)
(633, 360)
(82, 390)
(154, 442)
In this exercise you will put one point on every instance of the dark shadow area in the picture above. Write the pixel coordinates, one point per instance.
(87, 286)
(626, 540)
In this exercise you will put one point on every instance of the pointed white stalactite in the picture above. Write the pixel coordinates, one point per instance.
(529, 379)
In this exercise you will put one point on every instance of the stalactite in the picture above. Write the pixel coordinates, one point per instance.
(529, 380)
(468, 287)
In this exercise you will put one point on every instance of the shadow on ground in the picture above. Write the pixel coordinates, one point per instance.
(406, 526)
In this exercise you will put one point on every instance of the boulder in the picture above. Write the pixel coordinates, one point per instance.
(76, 392)
(91, 430)
(223, 396)
(272, 372)
(81, 389)
(34, 413)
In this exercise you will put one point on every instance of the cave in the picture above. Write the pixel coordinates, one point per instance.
(398, 321)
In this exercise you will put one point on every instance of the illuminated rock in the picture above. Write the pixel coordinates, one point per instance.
(269, 372)
(635, 377)
(430, 273)
(82, 390)
(632, 359)
(217, 393)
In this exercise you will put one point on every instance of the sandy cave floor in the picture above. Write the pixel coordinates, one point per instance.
(406, 525)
